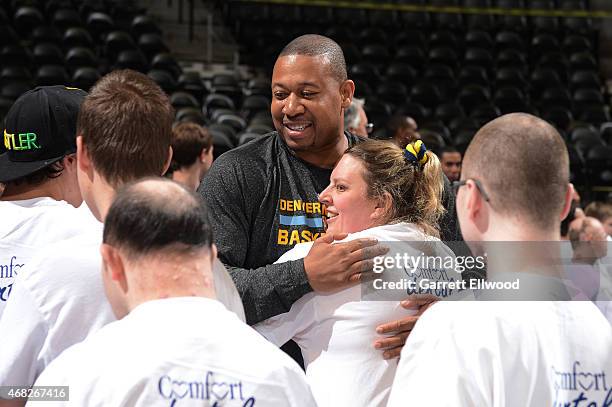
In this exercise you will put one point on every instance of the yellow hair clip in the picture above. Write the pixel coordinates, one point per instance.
(415, 153)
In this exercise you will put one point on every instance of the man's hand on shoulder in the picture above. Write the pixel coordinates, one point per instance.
(330, 267)
(399, 330)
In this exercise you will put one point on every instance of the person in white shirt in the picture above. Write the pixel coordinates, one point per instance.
(38, 175)
(124, 134)
(376, 190)
(514, 189)
(174, 343)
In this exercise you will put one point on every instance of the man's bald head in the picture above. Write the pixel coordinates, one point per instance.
(584, 228)
(156, 214)
(524, 166)
(314, 45)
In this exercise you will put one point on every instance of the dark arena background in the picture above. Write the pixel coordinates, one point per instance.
(452, 65)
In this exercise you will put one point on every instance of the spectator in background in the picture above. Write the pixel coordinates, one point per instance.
(38, 176)
(589, 245)
(402, 130)
(355, 119)
(158, 257)
(192, 154)
(601, 211)
(450, 158)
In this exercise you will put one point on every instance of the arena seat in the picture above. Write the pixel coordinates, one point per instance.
(100, 24)
(77, 37)
(132, 59)
(415, 110)
(164, 79)
(245, 137)
(85, 77)
(48, 75)
(26, 19)
(46, 33)
(47, 54)
(65, 18)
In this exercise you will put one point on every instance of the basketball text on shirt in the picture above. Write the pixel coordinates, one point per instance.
(294, 217)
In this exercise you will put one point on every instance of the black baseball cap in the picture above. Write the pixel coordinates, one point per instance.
(40, 129)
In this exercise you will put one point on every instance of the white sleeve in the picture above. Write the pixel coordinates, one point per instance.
(57, 374)
(297, 389)
(22, 335)
(281, 328)
(435, 371)
(226, 290)
(299, 251)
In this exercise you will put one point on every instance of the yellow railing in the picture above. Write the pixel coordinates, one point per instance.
(415, 8)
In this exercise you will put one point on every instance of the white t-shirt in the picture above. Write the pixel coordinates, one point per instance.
(28, 226)
(187, 351)
(56, 302)
(604, 295)
(528, 354)
(336, 332)
(59, 300)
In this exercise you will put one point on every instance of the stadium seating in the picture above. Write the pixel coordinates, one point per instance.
(451, 71)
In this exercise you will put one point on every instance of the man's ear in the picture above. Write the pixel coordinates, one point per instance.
(82, 156)
(168, 161)
(114, 265)
(204, 154)
(70, 162)
(347, 89)
(569, 195)
(474, 202)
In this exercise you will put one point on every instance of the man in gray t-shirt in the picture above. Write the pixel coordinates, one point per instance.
(263, 196)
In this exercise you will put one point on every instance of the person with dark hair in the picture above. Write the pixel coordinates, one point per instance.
(158, 257)
(124, 133)
(263, 196)
(402, 130)
(501, 353)
(450, 158)
(38, 184)
(356, 120)
(378, 190)
(192, 154)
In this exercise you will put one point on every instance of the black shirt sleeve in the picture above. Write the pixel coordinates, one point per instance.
(233, 194)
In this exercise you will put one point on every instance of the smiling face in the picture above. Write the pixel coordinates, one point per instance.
(349, 209)
(308, 102)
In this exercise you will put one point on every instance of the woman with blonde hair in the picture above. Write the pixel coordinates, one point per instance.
(376, 190)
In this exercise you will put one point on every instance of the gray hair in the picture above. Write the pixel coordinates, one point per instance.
(351, 114)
